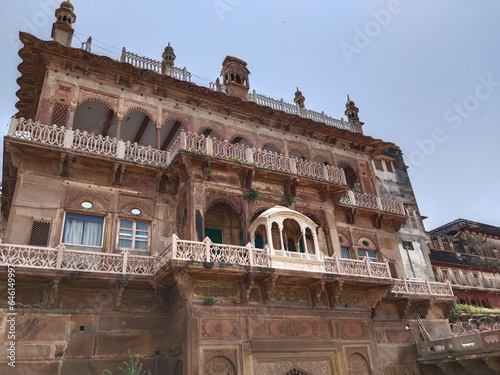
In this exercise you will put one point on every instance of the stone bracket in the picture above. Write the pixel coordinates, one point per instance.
(246, 178)
(374, 297)
(422, 307)
(350, 215)
(119, 289)
(403, 307)
(54, 288)
(159, 293)
(267, 286)
(246, 287)
(182, 282)
(316, 289)
(117, 173)
(333, 291)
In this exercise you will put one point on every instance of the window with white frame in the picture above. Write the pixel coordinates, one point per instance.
(84, 230)
(133, 235)
(367, 250)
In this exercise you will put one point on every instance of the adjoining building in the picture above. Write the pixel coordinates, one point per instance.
(210, 230)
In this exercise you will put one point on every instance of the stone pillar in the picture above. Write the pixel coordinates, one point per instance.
(119, 118)
(304, 240)
(280, 226)
(158, 140)
(269, 231)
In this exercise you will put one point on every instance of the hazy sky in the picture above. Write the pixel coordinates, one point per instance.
(424, 74)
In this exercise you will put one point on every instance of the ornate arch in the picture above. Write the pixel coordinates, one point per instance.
(75, 196)
(358, 235)
(232, 201)
(211, 128)
(179, 368)
(318, 219)
(303, 149)
(345, 233)
(91, 99)
(148, 112)
(220, 365)
(328, 159)
(349, 161)
(258, 209)
(295, 372)
(358, 365)
(280, 148)
(250, 138)
(184, 120)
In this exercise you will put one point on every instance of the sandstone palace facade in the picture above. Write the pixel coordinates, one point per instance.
(210, 230)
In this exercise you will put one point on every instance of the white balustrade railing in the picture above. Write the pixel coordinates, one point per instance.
(226, 150)
(422, 287)
(344, 266)
(37, 132)
(353, 198)
(293, 109)
(143, 62)
(311, 169)
(273, 161)
(196, 143)
(146, 155)
(96, 144)
(60, 258)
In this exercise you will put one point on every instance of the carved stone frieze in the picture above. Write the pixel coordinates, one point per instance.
(299, 295)
(374, 296)
(352, 330)
(289, 328)
(215, 291)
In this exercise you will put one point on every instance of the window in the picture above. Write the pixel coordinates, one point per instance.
(39, 233)
(372, 256)
(346, 253)
(133, 235)
(85, 230)
(378, 164)
(388, 165)
(407, 245)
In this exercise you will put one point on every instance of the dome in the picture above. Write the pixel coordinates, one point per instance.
(67, 5)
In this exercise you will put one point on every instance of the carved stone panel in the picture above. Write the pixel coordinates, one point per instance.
(353, 330)
(229, 292)
(294, 295)
(219, 328)
(289, 328)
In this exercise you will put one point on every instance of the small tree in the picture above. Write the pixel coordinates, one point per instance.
(131, 367)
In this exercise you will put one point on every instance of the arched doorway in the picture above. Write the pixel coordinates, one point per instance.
(223, 224)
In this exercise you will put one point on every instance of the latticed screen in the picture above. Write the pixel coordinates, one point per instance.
(39, 233)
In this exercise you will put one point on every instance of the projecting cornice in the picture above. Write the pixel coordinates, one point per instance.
(38, 55)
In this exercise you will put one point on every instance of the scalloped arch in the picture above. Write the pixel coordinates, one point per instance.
(143, 110)
(279, 147)
(98, 100)
(184, 121)
(232, 201)
(328, 159)
(87, 197)
(202, 127)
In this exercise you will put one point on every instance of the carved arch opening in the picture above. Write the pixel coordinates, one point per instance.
(358, 365)
(220, 366)
(95, 116)
(222, 223)
(351, 177)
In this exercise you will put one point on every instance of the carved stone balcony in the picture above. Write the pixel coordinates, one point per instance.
(32, 131)
(480, 345)
(373, 202)
(62, 259)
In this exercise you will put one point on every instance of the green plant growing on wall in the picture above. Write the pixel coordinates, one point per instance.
(237, 160)
(209, 301)
(209, 174)
(252, 194)
(131, 367)
(290, 199)
(470, 309)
